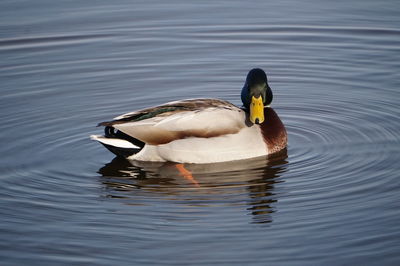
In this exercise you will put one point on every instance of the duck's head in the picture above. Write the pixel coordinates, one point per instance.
(256, 94)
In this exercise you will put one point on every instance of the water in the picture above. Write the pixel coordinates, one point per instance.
(331, 198)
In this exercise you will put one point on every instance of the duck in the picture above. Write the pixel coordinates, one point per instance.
(200, 131)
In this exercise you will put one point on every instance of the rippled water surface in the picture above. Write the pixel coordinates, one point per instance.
(333, 197)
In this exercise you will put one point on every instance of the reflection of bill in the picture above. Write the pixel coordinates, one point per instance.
(216, 184)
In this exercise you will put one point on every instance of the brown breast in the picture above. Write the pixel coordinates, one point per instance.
(273, 131)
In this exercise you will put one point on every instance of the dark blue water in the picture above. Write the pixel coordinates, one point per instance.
(333, 198)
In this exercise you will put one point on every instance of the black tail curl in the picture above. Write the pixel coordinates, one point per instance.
(111, 132)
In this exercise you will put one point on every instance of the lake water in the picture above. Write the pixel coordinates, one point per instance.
(332, 198)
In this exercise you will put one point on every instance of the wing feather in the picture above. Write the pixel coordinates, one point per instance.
(201, 118)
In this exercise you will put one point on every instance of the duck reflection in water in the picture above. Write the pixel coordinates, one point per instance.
(200, 185)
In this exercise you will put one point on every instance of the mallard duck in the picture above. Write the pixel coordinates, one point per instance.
(200, 130)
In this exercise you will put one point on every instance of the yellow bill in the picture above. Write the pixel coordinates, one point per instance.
(257, 110)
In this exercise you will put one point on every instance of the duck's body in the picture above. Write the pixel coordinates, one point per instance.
(195, 131)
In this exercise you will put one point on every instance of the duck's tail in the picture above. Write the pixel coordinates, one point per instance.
(118, 142)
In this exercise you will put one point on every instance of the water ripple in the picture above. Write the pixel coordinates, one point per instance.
(49, 41)
(335, 88)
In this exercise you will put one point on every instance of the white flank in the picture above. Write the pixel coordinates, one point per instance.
(247, 143)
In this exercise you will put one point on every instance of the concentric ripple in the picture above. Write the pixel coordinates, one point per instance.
(330, 198)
